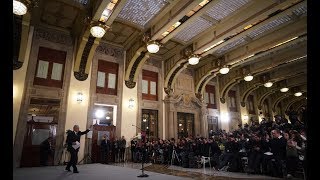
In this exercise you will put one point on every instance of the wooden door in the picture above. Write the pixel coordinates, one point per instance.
(36, 133)
(185, 125)
(98, 131)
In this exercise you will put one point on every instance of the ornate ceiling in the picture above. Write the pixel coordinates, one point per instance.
(260, 37)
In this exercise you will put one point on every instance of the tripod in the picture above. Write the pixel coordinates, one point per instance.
(142, 160)
(174, 155)
(87, 155)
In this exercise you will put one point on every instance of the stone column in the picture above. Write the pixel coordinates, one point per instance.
(169, 117)
(204, 121)
(224, 116)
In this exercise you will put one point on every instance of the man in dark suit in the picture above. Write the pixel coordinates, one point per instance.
(72, 138)
(105, 148)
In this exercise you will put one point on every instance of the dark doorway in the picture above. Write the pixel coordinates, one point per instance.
(185, 125)
(42, 122)
(98, 132)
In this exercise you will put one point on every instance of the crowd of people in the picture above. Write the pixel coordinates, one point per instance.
(275, 148)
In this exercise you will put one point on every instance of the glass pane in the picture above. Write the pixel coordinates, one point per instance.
(111, 81)
(101, 79)
(153, 88)
(56, 71)
(39, 135)
(144, 86)
(212, 101)
(206, 98)
(43, 69)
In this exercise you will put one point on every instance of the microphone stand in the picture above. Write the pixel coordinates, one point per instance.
(142, 157)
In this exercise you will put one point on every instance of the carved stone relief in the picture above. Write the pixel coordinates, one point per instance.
(53, 36)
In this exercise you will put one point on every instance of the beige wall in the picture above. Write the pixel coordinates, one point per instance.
(19, 78)
(129, 115)
(77, 112)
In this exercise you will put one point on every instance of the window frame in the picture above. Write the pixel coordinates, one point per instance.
(210, 89)
(232, 94)
(251, 99)
(51, 56)
(107, 67)
(150, 76)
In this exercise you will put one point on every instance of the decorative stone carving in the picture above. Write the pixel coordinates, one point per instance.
(168, 90)
(243, 104)
(130, 84)
(199, 96)
(53, 36)
(110, 51)
(222, 100)
(81, 75)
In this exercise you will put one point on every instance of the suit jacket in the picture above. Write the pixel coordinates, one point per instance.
(105, 145)
(278, 147)
(73, 137)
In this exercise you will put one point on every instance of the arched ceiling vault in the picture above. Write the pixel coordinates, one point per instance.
(238, 33)
(278, 96)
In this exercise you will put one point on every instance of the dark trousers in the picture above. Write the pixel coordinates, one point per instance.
(44, 158)
(291, 164)
(122, 150)
(254, 161)
(132, 155)
(73, 160)
(104, 156)
(116, 155)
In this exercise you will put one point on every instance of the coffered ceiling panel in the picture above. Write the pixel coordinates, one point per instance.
(193, 29)
(273, 24)
(140, 12)
(225, 7)
(230, 45)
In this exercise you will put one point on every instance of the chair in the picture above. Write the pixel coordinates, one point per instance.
(205, 160)
(244, 161)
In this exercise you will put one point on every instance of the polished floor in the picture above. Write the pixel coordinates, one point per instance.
(129, 171)
(87, 172)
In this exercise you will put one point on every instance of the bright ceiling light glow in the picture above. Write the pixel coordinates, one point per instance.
(249, 77)
(19, 8)
(298, 94)
(224, 70)
(194, 59)
(284, 89)
(153, 46)
(268, 84)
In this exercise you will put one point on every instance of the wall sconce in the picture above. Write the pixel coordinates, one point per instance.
(131, 103)
(79, 97)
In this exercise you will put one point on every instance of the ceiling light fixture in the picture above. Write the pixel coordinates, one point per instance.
(248, 77)
(224, 70)
(284, 89)
(268, 84)
(298, 94)
(153, 46)
(20, 7)
(194, 59)
(98, 29)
